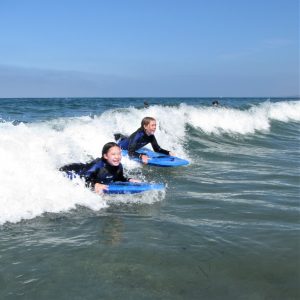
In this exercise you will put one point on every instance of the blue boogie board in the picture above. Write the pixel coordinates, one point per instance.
(159, 159)
(125, 187)
(132, 187)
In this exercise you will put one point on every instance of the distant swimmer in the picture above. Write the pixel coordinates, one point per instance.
(101, 171)
(215, 103)
(140, 138)
(146, 104)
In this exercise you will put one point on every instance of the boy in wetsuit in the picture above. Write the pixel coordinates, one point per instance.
(141, 137)
(101, 171)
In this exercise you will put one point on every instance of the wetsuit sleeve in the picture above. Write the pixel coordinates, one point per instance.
(134, 144)
(91, 174)
(156, 147)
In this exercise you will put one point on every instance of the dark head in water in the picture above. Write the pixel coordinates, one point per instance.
(215, 103)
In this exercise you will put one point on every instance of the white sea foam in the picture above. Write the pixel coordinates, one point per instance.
(30, 154)
(231, 120)
(30, 182)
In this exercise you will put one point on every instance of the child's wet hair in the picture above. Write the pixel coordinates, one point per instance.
(107, 146)
(146, 121)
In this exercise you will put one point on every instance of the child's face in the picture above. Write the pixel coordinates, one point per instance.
(150, 128)
(113, 156)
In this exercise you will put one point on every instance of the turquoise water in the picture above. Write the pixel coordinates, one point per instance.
(225, 227)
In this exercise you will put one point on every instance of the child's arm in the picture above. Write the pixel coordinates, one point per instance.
(133, 180)
(99, 187)
(157, 148)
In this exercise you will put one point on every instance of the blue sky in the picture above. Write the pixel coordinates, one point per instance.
(149, 48)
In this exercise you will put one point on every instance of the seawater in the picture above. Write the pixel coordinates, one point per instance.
(225, 227)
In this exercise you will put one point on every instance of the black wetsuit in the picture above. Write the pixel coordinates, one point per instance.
(96, 171)
(138, 140)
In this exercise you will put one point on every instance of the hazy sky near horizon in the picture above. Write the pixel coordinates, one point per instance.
(149, 48)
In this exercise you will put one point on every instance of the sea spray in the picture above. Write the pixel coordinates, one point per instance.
(219, 120)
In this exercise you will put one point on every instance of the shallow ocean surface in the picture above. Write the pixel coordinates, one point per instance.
(225, 227)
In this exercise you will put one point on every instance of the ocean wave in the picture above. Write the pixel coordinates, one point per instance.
(31, 153)
(220, 120)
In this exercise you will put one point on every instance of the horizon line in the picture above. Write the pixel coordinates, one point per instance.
(150, 97)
